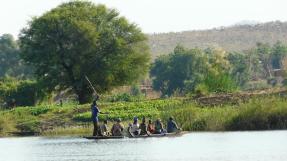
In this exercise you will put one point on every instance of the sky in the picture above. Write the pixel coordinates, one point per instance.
(156, 16)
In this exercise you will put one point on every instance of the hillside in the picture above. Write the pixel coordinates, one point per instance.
(234, 38)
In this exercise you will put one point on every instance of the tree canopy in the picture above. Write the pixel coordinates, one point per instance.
(186, 70)
(10, 62)
(78, 39)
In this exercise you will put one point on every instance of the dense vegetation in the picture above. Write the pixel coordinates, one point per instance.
(235, 38)
(14, 92)
(186, 70)
(10, 62)
(215, 70)
(257, 114)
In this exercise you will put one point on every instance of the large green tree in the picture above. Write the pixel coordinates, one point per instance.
(80, 38)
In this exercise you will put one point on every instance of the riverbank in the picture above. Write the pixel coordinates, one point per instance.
(262, 113)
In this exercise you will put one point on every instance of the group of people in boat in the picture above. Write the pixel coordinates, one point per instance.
(135, 128)
(152, 127)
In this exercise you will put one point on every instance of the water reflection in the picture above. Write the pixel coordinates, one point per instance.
(225, 146)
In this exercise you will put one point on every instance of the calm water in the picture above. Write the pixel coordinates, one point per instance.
(223, 146)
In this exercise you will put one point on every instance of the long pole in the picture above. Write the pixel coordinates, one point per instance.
(91, 85)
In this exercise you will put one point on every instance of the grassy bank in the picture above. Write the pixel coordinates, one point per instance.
(264, 113)
(268, 113)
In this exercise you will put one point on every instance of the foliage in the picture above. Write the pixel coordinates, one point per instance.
(265, 113)
(128, 110)
(28, 126)
(120, 97)
(261, 115)
(185, 69)
(10, 62)
(78, 39)
(15, 92)
(126, 97)
(135, 90)
(239, 67)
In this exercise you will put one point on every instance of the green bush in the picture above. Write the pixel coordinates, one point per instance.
(121, 97)
(39, 110)
(219, 83)
(199, 125)
(19, 92)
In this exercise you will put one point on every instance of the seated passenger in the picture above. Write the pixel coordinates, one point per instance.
(158, 127)
(134, 128)
(117, 128)
(172, 126)
(150, 127)
(104, 129)
(143, 127)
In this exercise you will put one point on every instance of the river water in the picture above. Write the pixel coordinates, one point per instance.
(206, 146)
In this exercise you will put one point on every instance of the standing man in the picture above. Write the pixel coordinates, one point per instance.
(95, 112)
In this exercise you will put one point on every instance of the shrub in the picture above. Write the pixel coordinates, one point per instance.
(199, 125)
(19, 92)
(219, 83)
(260, 114)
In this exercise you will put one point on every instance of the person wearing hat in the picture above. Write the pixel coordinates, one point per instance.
(117, 128)
(134, 128)
(172, 126)
(158, 127)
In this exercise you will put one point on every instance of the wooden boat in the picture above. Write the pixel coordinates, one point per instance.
(103, 137)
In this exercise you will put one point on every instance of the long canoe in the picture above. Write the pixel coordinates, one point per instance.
(103, 137)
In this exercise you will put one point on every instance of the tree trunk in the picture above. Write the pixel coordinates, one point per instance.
(84, 96)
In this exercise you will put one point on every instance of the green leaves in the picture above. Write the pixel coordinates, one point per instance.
(10, 62)
(79, 38)
(128, 110)
(185, 69)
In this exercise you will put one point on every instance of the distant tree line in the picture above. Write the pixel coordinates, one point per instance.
(215, 70)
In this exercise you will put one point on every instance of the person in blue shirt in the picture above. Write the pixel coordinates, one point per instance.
(172, 126)
(95, 112)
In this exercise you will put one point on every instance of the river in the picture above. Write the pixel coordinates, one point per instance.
(201, 146)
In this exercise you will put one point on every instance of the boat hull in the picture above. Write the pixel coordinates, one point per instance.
(103, 137)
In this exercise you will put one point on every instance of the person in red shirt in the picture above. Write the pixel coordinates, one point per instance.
(150, 127)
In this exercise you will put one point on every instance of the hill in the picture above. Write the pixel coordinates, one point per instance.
(233, 38)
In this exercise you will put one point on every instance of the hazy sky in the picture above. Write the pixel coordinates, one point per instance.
(155, 16)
